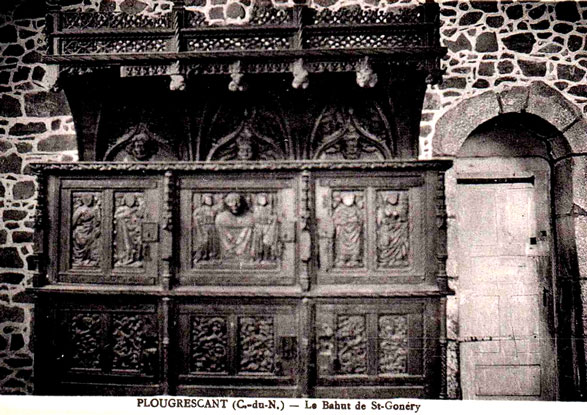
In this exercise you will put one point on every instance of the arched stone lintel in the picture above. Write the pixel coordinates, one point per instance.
(539, 99)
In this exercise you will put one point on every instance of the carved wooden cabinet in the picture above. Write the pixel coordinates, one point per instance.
(231, 230)
(313, 279)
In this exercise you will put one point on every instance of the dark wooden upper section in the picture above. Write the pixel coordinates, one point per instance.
(334, 41)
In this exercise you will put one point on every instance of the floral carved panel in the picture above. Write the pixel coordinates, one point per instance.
(256, 344)
(351, 342)
(86, 333)
(209, 344)
(135, 343)
(393, 344)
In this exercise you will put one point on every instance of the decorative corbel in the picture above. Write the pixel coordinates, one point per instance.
(300, 75)
(236, 76)
(51, 79)
(366, 77)
(177, 80)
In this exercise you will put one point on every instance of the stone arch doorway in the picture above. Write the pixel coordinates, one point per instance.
(523, 133)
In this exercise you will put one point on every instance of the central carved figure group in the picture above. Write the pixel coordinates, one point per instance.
(237, 229)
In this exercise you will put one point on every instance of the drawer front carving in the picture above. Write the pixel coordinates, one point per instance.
(237, 343)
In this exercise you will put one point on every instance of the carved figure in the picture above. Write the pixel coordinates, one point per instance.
(206, 240)
(128, 216)
(236, 77)
(348, 231)
(235, 228)
(351, 149)
(366, 77)
(85, 224)
(392, 231)
(140, 148)
(244, 145)
(265, 237)
(340, 133)
(300, 75)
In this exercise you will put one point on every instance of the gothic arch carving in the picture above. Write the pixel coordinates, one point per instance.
(537, 98)
(339, 133)
(138, 143)
(259, 136)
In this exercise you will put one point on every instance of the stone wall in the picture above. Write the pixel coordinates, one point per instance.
(496, 45)
(492, 46)
(34, 125)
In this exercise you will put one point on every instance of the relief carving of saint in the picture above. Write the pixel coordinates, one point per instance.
(235, 228)
(348, 231)
(128, 217)
(265, 237)
(85, 224)
(392, 231)
(206, 240)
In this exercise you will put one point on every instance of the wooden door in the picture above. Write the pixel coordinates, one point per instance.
(504, 278)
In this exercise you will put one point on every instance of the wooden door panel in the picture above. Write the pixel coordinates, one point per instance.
(370, 230)
(106, 231)
(252, 245)
(508, 380)
(102, 342)
(230, 344)
(506, 350)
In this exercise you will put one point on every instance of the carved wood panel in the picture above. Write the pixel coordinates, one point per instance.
(370, 342)
(241, 343)
(370, 229)
(104, 342)
(105, 231)
(264, 282)
(238, 230)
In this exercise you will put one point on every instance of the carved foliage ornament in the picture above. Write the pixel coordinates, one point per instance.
(209, 344)
(85, 332)
(351, 342)
(235, 228)
(256, 344)
(134, 343)
(393, 344)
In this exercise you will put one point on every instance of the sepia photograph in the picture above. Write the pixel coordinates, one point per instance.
(336, 201)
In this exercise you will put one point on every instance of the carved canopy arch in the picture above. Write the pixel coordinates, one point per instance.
(338, 133)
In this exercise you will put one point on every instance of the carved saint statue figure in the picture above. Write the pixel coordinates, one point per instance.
(392, 231)
(348, 232)
(235, 228)
(129, 245)
(265, 239)
(85, 224)
(206, 241)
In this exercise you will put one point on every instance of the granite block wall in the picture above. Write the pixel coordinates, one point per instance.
(492, 46)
